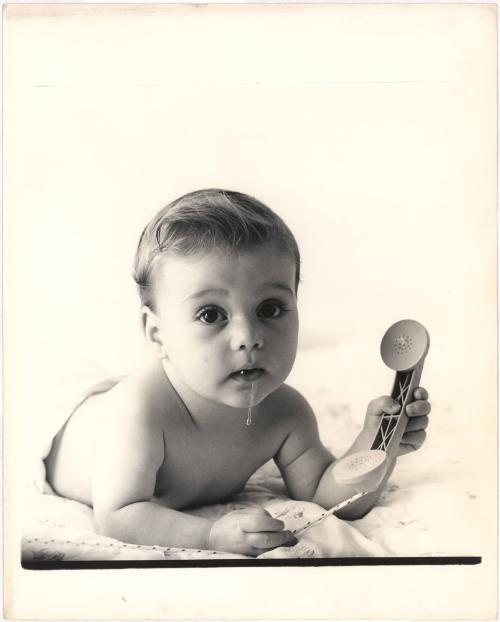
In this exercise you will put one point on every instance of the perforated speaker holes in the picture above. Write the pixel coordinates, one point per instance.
(403, 344)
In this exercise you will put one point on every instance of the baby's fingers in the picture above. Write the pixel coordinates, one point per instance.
(260, 521)
(417, 423)
(411, 441)
(420, 408)
(420, 394)
(266, 540)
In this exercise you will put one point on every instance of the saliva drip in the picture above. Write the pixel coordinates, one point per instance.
(249, 416)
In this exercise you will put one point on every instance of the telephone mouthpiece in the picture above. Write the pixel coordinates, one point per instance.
(364, 470)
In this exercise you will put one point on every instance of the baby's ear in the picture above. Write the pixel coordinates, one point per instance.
(152, 331)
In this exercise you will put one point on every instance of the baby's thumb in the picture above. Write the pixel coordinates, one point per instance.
(391, 407)
(381, 405)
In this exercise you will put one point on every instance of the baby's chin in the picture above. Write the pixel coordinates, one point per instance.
(244, 397)
(241, 394)
(242, 401)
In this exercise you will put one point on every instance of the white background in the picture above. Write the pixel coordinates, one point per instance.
(369, 129)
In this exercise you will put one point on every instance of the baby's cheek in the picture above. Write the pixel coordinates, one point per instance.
(291, 352)
(207, 366)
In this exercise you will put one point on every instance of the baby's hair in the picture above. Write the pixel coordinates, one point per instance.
(205, 220)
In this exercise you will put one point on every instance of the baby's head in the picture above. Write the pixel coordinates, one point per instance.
(217, 273)
(204, 221)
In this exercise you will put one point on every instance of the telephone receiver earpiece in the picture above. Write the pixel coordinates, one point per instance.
(404, 348)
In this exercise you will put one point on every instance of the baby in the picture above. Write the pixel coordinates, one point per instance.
(218, 274)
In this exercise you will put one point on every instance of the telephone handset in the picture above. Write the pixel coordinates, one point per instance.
(403, 348)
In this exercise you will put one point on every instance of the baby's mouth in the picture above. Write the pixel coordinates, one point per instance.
(247, 375)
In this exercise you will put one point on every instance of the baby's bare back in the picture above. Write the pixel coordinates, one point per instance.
(200, 464)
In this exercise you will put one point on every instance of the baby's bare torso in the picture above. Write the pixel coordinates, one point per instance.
(201, 465)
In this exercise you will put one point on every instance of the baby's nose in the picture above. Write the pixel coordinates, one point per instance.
(246, 335)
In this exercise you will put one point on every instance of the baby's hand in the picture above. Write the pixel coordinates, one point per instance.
(417, 412)
(250, 531)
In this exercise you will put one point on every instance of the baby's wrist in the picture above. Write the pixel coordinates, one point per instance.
(364, 439)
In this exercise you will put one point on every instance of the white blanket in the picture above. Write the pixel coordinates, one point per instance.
(428, 507)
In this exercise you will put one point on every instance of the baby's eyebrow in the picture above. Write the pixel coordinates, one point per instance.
(280, 286)
(204, 292)
(224, 292)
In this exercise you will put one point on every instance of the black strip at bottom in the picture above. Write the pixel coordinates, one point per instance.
(252, 563)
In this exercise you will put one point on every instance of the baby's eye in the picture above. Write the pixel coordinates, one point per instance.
(271, 309)
(211, 315)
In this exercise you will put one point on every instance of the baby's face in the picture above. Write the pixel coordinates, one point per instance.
(229, 321)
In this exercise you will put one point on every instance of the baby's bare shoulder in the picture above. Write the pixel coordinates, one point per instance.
(131, 430)
(290, 405)
(135, 401)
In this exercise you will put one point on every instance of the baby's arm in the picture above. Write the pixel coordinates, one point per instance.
(304, 462)
(306, 465)
(128, 456)
(129, 453)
